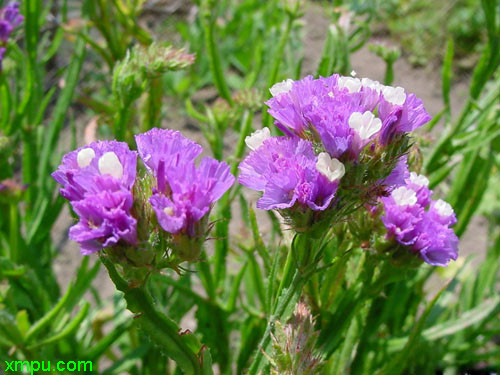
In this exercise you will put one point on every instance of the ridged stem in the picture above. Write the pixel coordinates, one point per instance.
(163, 331)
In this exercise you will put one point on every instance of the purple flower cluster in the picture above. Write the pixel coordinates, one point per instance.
(288, 172)
(10, 18)
(422, 224)
(184, 193)
(340, 110)
(97, 179)
(327, 122)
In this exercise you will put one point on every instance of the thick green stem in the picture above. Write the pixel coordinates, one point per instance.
(159, 327)
(120, 128)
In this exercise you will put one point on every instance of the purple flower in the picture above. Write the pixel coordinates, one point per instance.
(399, 174)
(161, 148)
(436, 243)
(10, 18)
(5, 30)
(338, 111)
(420, 185)
(424, 231)
(81, 168)
(185, 193)
(97, 179)
(442, 212)
(105, 217)
(402, 215)
(288, 172)
(400, 113)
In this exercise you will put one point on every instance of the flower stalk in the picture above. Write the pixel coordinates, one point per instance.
(183, 348)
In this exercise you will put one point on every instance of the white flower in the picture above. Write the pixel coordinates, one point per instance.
(404, 196)
(365, 124)
(281, 87)
(350, 83)
(332, 169)
(443, 208)
(84, 157)
(110, 164)
(374, 85)
(419, 179)
(394, 95)
(255, 140)
(353, 73)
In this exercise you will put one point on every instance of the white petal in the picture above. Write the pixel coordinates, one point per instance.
(281, 87)
(332, 169)
(169, 211)
(443, 208)
(404, 196)
(110, 164)
(394, 95)
(84, 157)
(365, 124)
(374, 85)
(350, 83)
(419, 179)
(353, 73)
(255, 140)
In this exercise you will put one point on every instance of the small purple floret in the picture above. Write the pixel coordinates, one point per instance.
(284, 169)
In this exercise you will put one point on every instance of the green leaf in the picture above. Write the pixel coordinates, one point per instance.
(49, 317)
(450, 327)
(68, 329)
(447, 74)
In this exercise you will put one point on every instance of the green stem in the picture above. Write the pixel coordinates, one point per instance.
(224, 207)
(120, 128)
(287, 299)
(162, 330)
(14, 232)
(304, 248)
(278, 57)
(213, 53)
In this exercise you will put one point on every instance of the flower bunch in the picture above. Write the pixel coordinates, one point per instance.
(183, 194)
(10, 18)
(420, 224)
(344, 138)
(100, 182)
(97, 179)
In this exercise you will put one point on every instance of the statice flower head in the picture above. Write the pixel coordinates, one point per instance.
(345, 114)
(420, 224)
(81, 168)
(97, 179)
(292, 178)
(184, 193)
